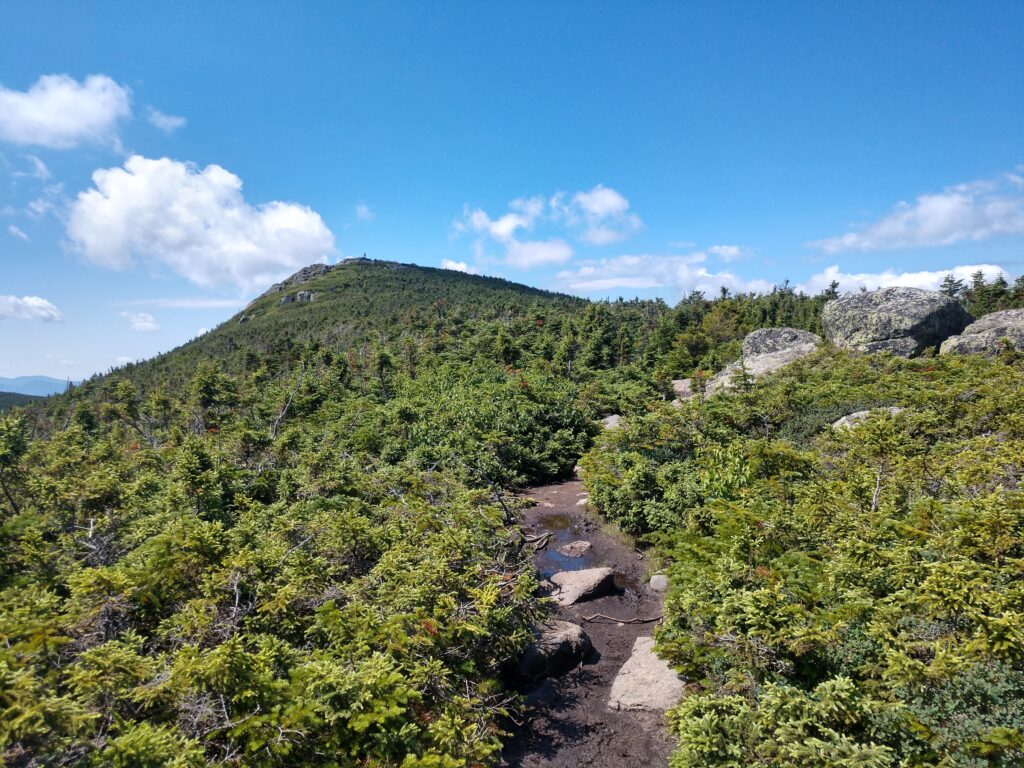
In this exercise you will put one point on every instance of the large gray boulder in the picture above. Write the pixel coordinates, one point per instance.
(764, 351)
(557, 647)
(573, 587)
(985, 336)
(645, 682)
(904, 321)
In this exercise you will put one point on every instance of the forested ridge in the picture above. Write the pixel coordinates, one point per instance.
(290, 542)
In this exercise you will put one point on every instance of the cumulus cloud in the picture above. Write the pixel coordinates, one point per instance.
(680, 273)
(459, 266)
(977, 210)
(364, 212)
(195, 222)
(17, 232)
(928, 279)
(598, 216)
(166, 123)
(141, 322)
(601, 215)
(28, 308)
(60, 112)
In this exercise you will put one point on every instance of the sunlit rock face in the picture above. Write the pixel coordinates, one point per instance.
(988, 335)
(904, 321)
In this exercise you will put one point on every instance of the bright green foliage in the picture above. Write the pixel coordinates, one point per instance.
(850, 597)
(280, 570)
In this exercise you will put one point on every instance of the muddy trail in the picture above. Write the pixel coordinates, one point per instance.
(569, 722)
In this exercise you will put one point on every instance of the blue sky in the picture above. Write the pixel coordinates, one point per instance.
(160, 164)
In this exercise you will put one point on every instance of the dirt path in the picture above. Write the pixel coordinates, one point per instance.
(570, 725)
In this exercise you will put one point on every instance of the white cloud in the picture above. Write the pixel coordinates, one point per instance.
(364, 212)
(929, 279)
(59, 112)
(726, 252)
(37, 170)
(202, 332)
(17, 232)
(166, 123)
(141, 322)
(977, 210)
(597, 217)
(680, 272)
(459, 266)
(28, 308)
(194, 221)
(536, 253)
(604, 214)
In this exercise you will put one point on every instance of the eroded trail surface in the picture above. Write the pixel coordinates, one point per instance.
(570, 723)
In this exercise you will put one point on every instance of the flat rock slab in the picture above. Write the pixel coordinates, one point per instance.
(573, 587)
(645, 682)
(575, 548)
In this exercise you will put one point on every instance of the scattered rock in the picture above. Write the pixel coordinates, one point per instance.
(764, 351)
(304, 274)
(611, 422)
(558, 646)
(300, 297)
(768, 341)
(658, 583)
(904, 321)
(985, 335)
(859, 417)
(244, 319)
(583, 502)
(573, 587)
(645, 682)
(683, 388)
(575, 548)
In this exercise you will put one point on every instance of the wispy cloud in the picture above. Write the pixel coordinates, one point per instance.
(166, 123)
(188, 302)
(680, 273)
(141, 322)
(597, 216)
(364, 212)
(977, 210)
(17, 232)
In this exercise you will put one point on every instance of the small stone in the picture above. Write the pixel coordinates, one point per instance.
(583, 502)
(575, 549)
(645, 682)
(659, 582)
(576, 586)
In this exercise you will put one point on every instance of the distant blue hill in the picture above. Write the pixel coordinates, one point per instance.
(33, 385)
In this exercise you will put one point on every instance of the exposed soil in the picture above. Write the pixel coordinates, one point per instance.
(569, 724)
